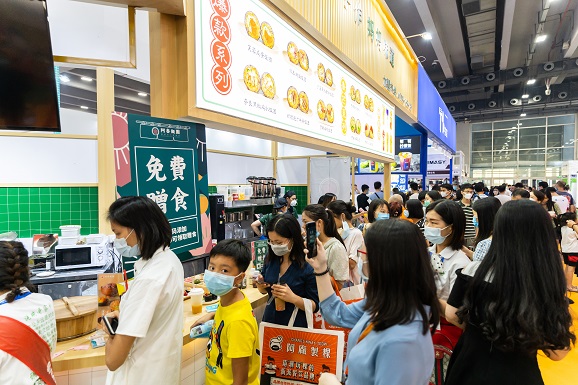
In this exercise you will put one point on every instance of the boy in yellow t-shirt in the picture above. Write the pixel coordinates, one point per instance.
(233, 346)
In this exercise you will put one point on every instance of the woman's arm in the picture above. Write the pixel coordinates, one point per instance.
(116, 351)
(256, 226)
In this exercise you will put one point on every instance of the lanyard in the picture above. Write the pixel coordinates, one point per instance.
(19, 296)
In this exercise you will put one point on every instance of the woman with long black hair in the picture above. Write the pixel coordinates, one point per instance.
(513, 303)
(484, 213)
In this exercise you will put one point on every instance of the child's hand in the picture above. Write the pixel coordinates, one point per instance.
(203, 319)
(319, 263)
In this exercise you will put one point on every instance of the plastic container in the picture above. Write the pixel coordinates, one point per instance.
(67, 241)
(70, 231)
(196, 294)
(202, 330)
(94, 239)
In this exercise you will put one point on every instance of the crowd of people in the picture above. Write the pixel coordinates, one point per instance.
(449, 267)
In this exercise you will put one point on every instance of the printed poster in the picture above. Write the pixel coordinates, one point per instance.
(166, 160)
(298, 356)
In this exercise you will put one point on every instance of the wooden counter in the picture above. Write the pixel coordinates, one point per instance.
(79, 359)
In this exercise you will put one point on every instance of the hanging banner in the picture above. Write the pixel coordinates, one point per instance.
(251, 64)
(166, 161)
(298, 356)
(408, 154)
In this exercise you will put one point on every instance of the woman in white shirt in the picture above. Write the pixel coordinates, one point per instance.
(332, 241)
(445, 226)
(569, 246)
(146, 348)
(352, 237)
(27, 322)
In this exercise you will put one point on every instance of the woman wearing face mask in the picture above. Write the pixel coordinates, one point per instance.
(414, 213)
(150, 321)
(352, 237)
(292, 202)
(431, 197)
(285, 263)
(378, 210)
(390, 341)
(332, 242)
(445, 225)
(485, 211)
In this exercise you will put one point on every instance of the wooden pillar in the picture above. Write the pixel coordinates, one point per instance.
(106, 170)
(386, 181)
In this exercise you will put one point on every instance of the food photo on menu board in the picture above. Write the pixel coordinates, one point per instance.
(256, 67)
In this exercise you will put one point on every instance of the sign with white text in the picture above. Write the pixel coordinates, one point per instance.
(252, 65)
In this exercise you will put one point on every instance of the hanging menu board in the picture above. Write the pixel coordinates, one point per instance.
(252, 65)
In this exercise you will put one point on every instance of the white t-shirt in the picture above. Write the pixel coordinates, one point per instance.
(569, 243)
(337, 259)
(414, 196)
(503, 198)
(36, 311)
(562, 202)
(152, 311)
(354, 242)
(452, 261)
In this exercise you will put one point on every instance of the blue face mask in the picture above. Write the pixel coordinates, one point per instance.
(124, 250)
(434, 234)
(219, 284)
(475, 221)
(344, 230)
(382, 216)
(406, 213)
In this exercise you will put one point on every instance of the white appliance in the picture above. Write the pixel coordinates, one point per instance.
(81, 256)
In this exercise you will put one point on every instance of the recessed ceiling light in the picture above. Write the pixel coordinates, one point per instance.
(64, 79)
(427, 36)
(531, 81)
(84, 107)
(86, 78)
(525, 96)
(541, 38)
(143, 94)
(523, 114)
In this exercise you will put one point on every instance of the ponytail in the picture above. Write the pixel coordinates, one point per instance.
(340, 207)
(14, 273)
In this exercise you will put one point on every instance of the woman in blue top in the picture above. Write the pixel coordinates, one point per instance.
(390, 341)
(286, 275)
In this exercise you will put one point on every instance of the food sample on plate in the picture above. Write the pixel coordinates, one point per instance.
(292, 97)
(371, 107)
(352, 93)
(268, 85)
(303, 102)
(293, 52)
(358, 96)
(330, 113)
(321, 110)
(366, 101)
(303, 60)
(252, 25)
(321, 72)
(252, 79)
(267, 35)
(329, 77)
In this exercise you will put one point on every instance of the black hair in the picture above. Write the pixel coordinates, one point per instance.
(434, 195)
(479, 187)
(146, 218)
(567, 216)
(14, 272)
(326, 199)
(234, 249)
(414, 208)
(550, 190)
(452, 214)
(447, 186)
(486, 210)
(289, 194)
(364, 187)
(399, 269)
(543, 184)
(519, 185)
(395, 190)
(435, 187)
(377, 185)
(534, 314)
(318, 212)
(421, 195)
(374, 205)
(287, 227)
(549, 202)
(340, 207)
(521, 193)
(414, 186)
(466, 185)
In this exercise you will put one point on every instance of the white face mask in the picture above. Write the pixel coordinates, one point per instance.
(124, 250)
(444, 194)
(294, 203)
(468, 196)
(344, 229)
(280, 250)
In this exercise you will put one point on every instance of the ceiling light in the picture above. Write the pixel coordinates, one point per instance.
(525, 96)
(541, 38)
(64, 79)
(84, 107)
(86, 78)
(143, 94)
(427, 36)
(531, 81)
(523, 114)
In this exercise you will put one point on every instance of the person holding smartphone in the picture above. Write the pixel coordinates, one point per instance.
(286, 276)
(150, 320)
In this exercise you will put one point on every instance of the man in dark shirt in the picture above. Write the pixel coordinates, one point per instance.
(363, 199)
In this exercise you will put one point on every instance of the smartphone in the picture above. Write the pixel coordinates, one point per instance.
(311, 239)
(111, 324)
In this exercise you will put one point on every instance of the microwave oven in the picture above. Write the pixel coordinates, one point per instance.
(68, 257)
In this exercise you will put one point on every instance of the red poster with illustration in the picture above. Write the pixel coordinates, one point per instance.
(298, 356)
